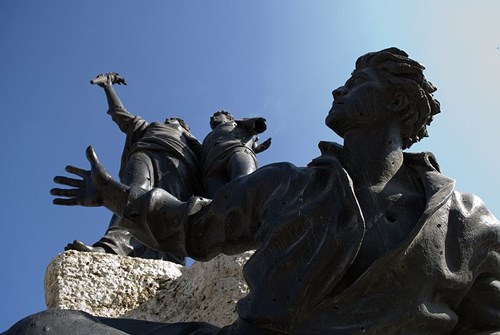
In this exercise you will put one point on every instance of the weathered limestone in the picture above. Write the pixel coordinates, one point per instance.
(118, 286)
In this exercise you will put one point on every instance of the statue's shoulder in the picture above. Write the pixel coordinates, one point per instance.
(467, 210)
(471, 231)
(280, 173)
(421, 161)
(473, 214)
(280, 168)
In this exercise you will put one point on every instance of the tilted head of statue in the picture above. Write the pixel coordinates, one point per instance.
(177, 120)
(220, 117)
(385, 86)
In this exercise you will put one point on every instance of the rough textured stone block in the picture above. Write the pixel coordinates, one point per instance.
(118, 286)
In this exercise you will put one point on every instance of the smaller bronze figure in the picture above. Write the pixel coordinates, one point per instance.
(229, 150)
(156, 154)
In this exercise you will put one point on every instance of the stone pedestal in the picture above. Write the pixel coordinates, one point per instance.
(117, 286)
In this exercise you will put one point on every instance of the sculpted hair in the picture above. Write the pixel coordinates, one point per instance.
(228, 115)
(181, 122)
(405, 74)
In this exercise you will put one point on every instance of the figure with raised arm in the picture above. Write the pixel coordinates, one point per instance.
(164, 155)
(229, 150)
(366, 239)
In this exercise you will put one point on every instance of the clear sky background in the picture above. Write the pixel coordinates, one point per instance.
(274, 58)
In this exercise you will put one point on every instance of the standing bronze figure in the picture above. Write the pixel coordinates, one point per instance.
(157, 154)
(229, 150)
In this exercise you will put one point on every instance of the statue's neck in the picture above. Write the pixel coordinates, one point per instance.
(373, 156)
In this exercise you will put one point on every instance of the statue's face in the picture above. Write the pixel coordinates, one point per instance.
(172, 121)
(219, 119)
(362, 101)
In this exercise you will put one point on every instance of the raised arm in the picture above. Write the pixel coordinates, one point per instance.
(125, 121)
(106, 81)
(253, 126)
(257, 148)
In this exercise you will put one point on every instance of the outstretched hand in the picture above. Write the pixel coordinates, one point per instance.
(109, 79)
(263, 146)
(86, 191)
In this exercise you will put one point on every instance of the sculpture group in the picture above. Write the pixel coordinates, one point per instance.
(366, 239)
(166, 155)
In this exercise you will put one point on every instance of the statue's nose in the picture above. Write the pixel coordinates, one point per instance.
(337, 93)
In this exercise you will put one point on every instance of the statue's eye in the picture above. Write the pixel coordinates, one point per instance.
(355, 81)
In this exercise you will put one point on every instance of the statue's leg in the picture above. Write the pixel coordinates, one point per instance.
(139, 171)
(58, 321)
(140, 327)
(117, 240)
(242, 163)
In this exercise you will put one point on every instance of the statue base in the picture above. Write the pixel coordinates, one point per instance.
(154, 290)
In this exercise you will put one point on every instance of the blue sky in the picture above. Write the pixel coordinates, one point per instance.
(273, 58)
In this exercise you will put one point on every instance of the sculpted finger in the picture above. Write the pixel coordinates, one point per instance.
(61, 192)
(65, 202)
(74, 170)
(68, 181)
(92, 156)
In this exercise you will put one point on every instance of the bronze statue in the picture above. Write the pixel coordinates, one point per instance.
(365, 239)
(155, 154)
(228, 151)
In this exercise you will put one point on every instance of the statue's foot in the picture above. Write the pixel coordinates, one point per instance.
(80, 246)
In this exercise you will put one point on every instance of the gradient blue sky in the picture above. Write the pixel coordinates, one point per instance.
(274, 58)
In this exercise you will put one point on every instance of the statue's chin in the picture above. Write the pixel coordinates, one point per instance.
(335, 125)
